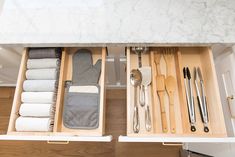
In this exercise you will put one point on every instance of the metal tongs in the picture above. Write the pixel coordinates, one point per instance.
(190, 99)
(201, 97)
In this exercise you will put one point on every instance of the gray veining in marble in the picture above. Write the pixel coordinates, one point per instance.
(117, 21)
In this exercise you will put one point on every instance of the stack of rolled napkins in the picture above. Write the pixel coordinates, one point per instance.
(39, 90)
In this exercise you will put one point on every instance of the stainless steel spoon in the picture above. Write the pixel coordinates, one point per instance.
(139, 51)
(136, 79)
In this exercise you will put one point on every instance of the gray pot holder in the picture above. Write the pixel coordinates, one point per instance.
(81, 109)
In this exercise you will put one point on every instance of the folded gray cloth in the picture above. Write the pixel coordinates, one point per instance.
(81, 109)
(39, 53)
(39, 85)
(43, 63)
(42, 74)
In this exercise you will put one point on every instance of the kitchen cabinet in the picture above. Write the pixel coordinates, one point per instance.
(185, 56)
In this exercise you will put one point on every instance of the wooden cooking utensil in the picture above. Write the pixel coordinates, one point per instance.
(157, 59)
(160, 85)
(171, 84)
(169, 59)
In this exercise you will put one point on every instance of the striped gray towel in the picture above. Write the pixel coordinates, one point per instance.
(39, 53)
(39, 85)
(42, 74)
(43, 63)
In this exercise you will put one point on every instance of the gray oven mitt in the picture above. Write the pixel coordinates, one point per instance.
(81, 110)
(85, 73)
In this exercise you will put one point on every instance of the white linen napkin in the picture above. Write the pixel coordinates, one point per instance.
(38, 97)
(33, 124)
(36, 110)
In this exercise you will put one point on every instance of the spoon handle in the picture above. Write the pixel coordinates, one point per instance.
(142, 96)
(147, 111)
(136, 122)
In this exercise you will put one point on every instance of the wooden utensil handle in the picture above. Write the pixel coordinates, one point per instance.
(158, 67)
(172, 113)
(163, 111)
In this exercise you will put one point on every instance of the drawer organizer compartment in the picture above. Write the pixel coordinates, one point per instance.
(172, 120)
(65, 75)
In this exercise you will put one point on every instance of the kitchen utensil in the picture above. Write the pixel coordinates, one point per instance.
(160, 85)
(190, 99)
(168, 55)
(139, 51)
(201, 98)
(171, 84)
(157, 59)
(146, 80)
(160, 79)
(135, 79)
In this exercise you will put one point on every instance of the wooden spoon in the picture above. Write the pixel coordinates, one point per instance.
(171, 84)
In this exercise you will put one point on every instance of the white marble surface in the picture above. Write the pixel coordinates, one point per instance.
(117, 21)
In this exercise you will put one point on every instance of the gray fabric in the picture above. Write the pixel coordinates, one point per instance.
(81, 110)
(84, 72)
(39, 53)
(39, 85)
(42, 74)
(43, 63)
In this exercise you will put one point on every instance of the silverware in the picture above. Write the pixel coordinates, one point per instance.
(190, 99)
(146, 80)
(201, 97)
(139, 51)
(135, 79)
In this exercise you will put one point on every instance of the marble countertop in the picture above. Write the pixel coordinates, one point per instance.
(130, 22)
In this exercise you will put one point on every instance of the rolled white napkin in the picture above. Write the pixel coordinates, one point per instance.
(39, 85)
(43, 63)
(33, 124)
(42, 74)
(36, 110)
(38, 97)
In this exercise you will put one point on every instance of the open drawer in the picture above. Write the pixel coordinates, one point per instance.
(59, 131)
(183, 57)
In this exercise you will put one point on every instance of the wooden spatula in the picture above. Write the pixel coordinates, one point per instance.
(171, 84)
(157, 59)
(160, 79)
